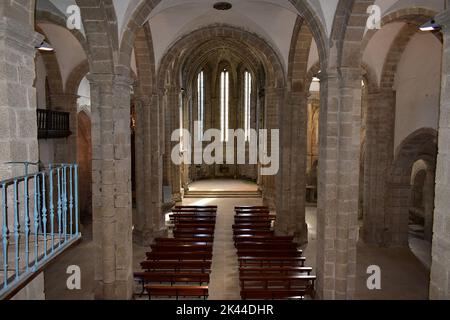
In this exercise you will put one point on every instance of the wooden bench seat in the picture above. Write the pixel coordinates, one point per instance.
(265, 246)
(277, 281)
(199, 212)
(196, 207)
(179, 229)
(251, 261)
(253, 219)
(144, 278)
(238, 232)
(179, 256)
(184, 240)
(177, 291)
(266, 224)
(275, 270)
(250, 207)
(181, 248)
(186, 234)
(177, 266)
(274, 294)
(263, 238)
(269, 253)
(187, 224)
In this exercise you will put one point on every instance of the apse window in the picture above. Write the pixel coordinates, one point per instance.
(224, 104)
(247, 104)
(201, 103)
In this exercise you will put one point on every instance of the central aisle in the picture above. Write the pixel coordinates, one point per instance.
(224, 281)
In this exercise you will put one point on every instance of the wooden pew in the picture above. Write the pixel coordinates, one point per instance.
(177, 291)
(144, 278)
(201, 224)
(179, 256)
(177, 266)
(197, 207)
(199, 212)
(192, 234)
(243, 245)
(266, 224)
(271, 261)
(266, 233)
(205, 240)
(253, 215)
(268, 218)
(250, 207)
(270, 253)
(254, 238)
(277, 281)
(275, 270)
(181, 248)
(275, 294)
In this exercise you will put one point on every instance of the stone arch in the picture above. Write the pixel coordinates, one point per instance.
(75, 77)
(170, 71)
(421, 144)
(60, 20)
(317, 29)
(415, 16)
(99, 35)
(175, 55)
(381, 127)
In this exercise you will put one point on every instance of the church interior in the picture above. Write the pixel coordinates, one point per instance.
(312, 139)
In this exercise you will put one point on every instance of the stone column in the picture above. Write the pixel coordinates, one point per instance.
(379, 156)
(149, 222)
(440, 266)
(18, 125)
(171, 122)
(428, 203)
(111, 186)
(292, 192)
(337, 214)
(274, 104)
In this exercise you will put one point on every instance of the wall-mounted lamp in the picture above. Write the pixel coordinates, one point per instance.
(45, 46)
(430, 26)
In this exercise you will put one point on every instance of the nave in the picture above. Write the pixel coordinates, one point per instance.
(404, 276)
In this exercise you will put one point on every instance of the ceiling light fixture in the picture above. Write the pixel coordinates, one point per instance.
(430, 26)
(45, 46)
(223, 6)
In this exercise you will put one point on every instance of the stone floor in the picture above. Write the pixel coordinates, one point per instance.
(404, 276)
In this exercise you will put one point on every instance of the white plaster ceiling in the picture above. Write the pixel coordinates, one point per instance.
(68, 50)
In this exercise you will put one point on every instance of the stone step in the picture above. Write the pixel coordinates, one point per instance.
(222, 194)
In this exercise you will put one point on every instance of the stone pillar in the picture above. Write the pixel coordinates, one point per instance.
(149, 220)
(428, 203)
(379, 156)
(274, 104)
(111, 186)
(18, 125)
(337, 214)
(171, 121)
(292, 192)
(440, 266)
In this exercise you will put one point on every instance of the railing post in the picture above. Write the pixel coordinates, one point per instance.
(58, 172)
(76, 200)
(16, 229)
(64, 193)
(27, 221)
(44, 214)
(71, 200)
(5, 237)
(36, 222)
(52, 210)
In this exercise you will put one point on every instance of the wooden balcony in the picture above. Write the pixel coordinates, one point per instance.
(53, 124)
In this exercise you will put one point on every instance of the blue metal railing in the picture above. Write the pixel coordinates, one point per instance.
(32, 233)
